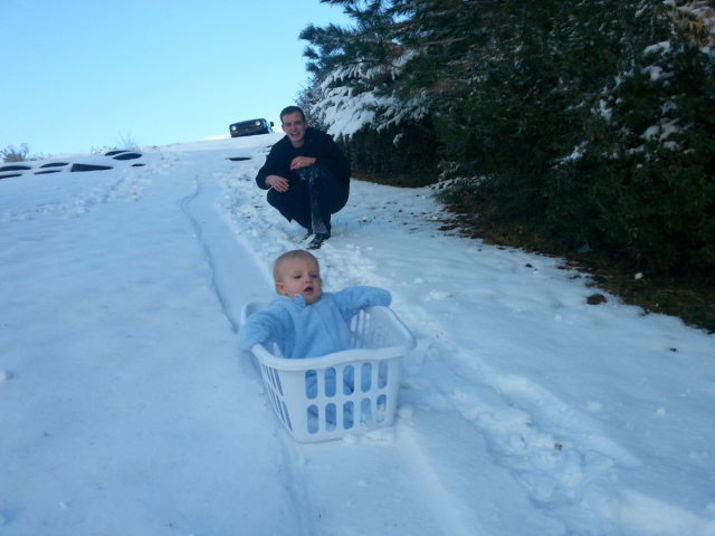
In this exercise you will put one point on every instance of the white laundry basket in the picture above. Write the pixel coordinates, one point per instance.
(345, 392)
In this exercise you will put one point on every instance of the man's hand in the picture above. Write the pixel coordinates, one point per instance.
(278, 183)
(302, 161)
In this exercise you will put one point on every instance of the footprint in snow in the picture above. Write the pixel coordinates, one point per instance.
(437, 295)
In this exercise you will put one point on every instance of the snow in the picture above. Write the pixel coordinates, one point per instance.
(659, 48)
(345, 110)
(127, 408)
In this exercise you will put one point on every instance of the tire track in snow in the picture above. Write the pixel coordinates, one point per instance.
(208, 255)
(213, 236)
(458, 518)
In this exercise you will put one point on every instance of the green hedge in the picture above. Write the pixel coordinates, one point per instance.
(401, 156)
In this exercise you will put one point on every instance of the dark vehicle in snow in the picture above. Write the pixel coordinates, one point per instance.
(249, 128)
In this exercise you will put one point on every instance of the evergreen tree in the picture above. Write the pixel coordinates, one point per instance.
(588, 120)
(356, 72)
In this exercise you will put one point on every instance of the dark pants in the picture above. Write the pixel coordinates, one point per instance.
(311, 200)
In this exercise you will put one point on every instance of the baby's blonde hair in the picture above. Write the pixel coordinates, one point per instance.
(290, 255)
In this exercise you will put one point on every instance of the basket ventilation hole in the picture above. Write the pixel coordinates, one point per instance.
(330, 388)
(313, 419)
(285, 415)
(381, 412)
(311, 384)
(366, 374)
(365, 411)
(330, 417)
(348, 380)
(348, 415)
(382, 374)
(273, 378)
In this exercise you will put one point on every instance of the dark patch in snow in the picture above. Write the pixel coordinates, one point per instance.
(15, 167)
(54, 164)
(88, 167)
(596, 299)
(127, 156)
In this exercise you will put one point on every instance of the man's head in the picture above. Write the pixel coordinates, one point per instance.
(294, 125)
(297, 272)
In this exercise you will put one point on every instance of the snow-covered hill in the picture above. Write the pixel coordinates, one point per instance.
(126, 407)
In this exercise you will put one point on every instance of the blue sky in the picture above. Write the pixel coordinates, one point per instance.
(80, 75)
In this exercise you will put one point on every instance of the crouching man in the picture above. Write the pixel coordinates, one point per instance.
(306, 175)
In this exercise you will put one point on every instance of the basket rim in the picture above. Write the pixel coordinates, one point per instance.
(336, 358)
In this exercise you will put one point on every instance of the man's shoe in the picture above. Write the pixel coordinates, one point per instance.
(318, 240)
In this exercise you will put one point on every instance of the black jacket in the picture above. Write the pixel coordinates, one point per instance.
(317, 144)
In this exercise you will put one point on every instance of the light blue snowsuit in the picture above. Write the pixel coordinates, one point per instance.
(303, 330)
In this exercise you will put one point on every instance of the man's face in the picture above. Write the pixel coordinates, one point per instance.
(294, 126)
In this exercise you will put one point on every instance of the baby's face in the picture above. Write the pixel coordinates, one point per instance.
(300, 276)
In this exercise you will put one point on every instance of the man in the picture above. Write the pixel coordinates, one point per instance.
(306, 175)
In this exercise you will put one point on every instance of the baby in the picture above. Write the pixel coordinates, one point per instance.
(304, 320)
